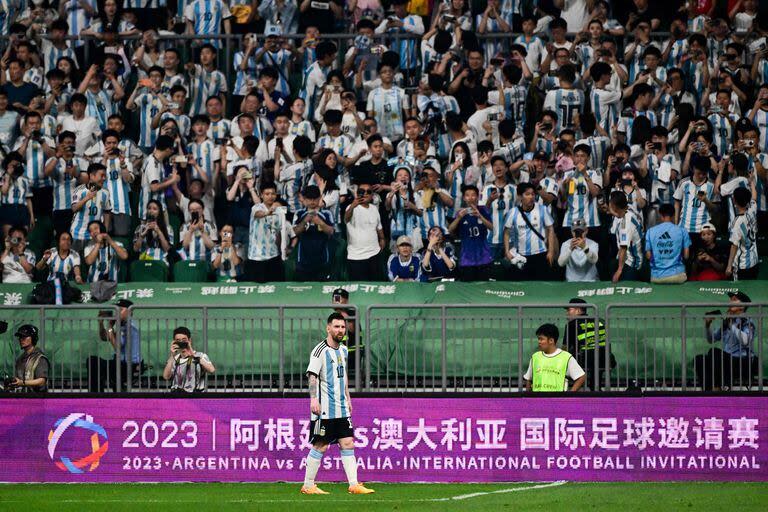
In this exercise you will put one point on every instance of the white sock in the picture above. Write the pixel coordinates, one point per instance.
(350, 465)
(313, 464)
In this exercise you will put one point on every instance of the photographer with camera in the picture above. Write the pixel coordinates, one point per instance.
(32, 366)
(15, 195)
(18, 262)
(90, 203)
(104, 371)
(186, 368)
(227, 256)
(102, 254)
(579, 255)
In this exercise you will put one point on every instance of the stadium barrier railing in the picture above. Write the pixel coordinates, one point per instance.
(401, 348)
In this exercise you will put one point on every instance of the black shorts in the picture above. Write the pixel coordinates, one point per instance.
(330, 431)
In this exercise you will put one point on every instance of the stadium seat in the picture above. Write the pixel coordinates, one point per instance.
(41, 237)
(190, 272)
(144, 270)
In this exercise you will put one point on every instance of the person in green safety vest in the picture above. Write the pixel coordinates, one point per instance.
(550, 368)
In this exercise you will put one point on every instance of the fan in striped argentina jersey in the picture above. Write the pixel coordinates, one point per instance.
(500, 197)
(580, 189)
(402, 22)
(35, 148)
(315, 77)
(55, 46)
(205, 80)
(119, 173)
(694, 199)
(78, 17)
(153, 175)
(67, 172)
(145, 97)
(206, 17)
(433, 203)
(629, 238)
(605, 103)
(566, 101)
(102, 254)
(90, 203)
(62, 261)
(202, 150)
(758, 115)
(743, 258)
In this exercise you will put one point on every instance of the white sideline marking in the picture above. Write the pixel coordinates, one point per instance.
(501, 491)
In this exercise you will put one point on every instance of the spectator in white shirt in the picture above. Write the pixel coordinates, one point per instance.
(365, 236)
(579, 255)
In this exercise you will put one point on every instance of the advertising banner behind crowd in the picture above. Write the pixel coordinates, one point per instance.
(397, 439)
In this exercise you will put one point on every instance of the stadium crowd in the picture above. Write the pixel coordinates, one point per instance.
(504, 139)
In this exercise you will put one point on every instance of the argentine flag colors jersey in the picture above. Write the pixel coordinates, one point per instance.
(581, 203)
(693, 211)
(330, 367)
(743, 231)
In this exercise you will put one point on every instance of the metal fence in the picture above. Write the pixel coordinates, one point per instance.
(407, 347)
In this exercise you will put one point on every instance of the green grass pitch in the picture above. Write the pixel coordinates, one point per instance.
(645, 497)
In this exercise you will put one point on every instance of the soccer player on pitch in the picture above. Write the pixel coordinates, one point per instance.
(331, 407)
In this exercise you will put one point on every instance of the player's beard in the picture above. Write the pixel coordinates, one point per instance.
(339, 337)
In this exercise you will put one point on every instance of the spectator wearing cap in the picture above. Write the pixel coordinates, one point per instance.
(32, 366)
(472, 225)
(667, 248)
(584, 334)
(126, 336)
(404, 266)
(365, 236)
(579, 255)
(313, 228)
(734, 363)
(711, 256)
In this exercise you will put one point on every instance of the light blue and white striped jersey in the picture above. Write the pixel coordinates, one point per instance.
(182, 121)
(93, 210)
(153, 251)
(761, 122)
(304, 128)
(223, 274)
(341, 144)
(35, 162)
(9, 12)
(197, 251)
(662, 192)
(743, 234)
(581, 204)
(207, 17)
(403, 221)
(284, 16)
(454, 189)
(149, 105)
(549, 185)
(491, 46)
(676, 54)
(170, 81)
(522, 237)
(566, 103)
(512, 151)
(511, 7)
(693, 212)
(762, 72)
(290, 182)
(144, 4)
(605, 105)
(726, 194)
(281, 60)
(715, 49)
(535, 50)
(433, 214)
(514, 104)
(547, 146)
(64, 184)
(722, 131)
(598, 146)
(264, 234)
(117, 187)
(242, 77)
(100, 106)
(220, 129)
(760, 185)
(499, 209)
(18, 191)
(312, 87)
(51, 54)
(202, 85)
(387, 106)
(62, 266)
(629, 234)
(152, 172)
(625, 123)
(408, 48)
(330, 366)
(636, 64)
(694, 78)
(107, 264)
(585, 54)
(78, 18)
(697, 24)
(206, 154)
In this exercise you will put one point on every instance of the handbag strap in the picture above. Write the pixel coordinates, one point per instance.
(528, 223)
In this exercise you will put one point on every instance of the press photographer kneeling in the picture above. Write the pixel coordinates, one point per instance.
(186, 368)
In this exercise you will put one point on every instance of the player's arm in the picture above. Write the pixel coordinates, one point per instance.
(346, 390)
(314, 394)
